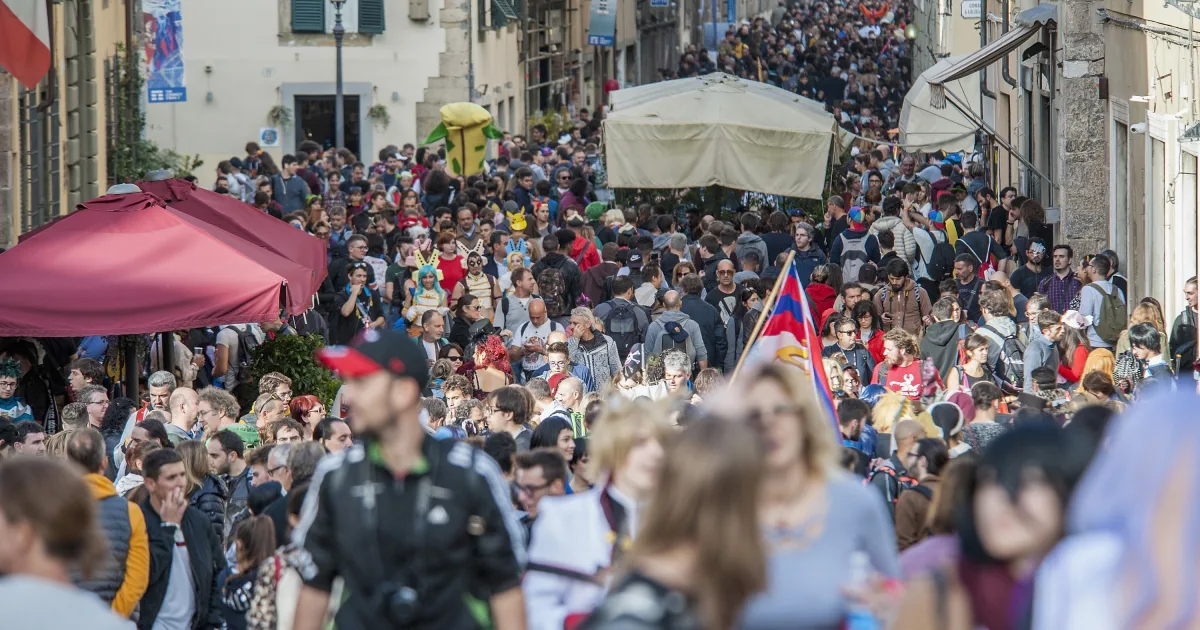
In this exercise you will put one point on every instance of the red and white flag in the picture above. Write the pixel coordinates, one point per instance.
(25, 40)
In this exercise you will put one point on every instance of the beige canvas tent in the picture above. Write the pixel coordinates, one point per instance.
(923, 126)
(718, 130)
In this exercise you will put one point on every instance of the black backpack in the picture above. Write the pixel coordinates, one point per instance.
(622, 325)
(247, 342)
(1012, 356)
(941, 262)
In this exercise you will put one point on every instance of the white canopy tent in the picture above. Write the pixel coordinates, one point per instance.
(718, 130)
(924, 126)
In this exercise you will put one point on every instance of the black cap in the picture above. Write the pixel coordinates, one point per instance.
(376, 350)
(635, 260)
(575, 221)
(676, 331)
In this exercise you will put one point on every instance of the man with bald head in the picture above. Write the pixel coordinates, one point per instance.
(529, 340)
(570, 394)
(674, 329)
(184, 407)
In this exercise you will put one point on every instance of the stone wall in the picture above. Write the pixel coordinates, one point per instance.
(450, 85)
(1082, 131)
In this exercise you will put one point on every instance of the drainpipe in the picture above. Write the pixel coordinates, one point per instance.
(983, 84)
(1004, 73)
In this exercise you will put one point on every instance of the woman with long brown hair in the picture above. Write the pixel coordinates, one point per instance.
(812, 515)
(205, 491)
(48, 522)
(255, 542)
(699, 541)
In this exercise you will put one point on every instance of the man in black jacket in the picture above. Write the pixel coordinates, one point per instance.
(706, 317)
(553, 259)
(185, 555)
(422, 531)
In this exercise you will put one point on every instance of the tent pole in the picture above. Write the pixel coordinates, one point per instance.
(130, 355)
(166, 350)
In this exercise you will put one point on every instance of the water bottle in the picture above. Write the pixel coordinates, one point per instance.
(859, 617)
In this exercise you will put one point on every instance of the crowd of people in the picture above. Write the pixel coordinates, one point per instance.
(851, 56)
(552, 414)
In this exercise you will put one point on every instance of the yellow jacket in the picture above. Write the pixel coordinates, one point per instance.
(137, 561)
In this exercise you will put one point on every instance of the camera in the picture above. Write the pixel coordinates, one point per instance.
(398, 603)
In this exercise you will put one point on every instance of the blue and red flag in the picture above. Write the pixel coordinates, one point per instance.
(789, 334)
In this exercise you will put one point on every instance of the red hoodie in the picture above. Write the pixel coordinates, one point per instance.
(584, 253)
(822, 295)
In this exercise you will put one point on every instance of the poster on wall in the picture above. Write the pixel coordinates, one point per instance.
(602, 23)
(268, 137)
(162, 22)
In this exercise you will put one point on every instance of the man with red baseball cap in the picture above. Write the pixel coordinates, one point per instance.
(418, 528)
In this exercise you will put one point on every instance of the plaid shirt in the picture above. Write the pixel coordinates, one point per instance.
(1060, 290)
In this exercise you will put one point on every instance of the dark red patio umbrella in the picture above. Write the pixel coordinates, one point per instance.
(124, 264)
(248, 222)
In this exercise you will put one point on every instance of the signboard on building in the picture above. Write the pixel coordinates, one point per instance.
(602, 23)
(268, 137)
(162, 24)
(972, 9)
(660, 3)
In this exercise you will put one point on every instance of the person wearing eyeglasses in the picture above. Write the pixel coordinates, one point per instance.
(12, 407)
(538, 473)
(856, 354)
(95, 398)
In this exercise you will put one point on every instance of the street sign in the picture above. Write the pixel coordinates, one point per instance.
(972, 9)
(660, 3)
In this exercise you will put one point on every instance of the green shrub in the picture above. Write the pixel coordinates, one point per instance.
(292, 355)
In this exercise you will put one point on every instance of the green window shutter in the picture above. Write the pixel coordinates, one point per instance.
(308, 16)
(370, 16)
(502, 12)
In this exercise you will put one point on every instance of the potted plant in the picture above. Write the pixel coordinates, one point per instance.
(280, 116)
(379, 116)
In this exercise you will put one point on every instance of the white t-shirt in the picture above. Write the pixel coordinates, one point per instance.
(526, 332)
(33, 602)
(431, 349)
(179, 602)
(228, 337)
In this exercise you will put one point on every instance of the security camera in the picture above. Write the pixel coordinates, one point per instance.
(1138, 127)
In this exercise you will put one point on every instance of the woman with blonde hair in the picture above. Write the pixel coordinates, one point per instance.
(512, 262)
(812, 514)
(699, 541)
(1144, 312)
(577, 539)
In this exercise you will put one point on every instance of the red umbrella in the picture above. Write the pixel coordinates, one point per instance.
(124, 264)
(249, 223)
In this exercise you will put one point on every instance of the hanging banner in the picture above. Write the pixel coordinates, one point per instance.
(162, 23)
(602, 23)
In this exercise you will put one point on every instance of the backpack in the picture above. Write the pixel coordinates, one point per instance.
(987, 263)
(941, 261)
(1012, 356)
(608, 294)
(247, 343)
(896, 484)
(621, 324)
(963, 332)
(553, 288)
(854, 255)
(1112, 317)
(667, 343)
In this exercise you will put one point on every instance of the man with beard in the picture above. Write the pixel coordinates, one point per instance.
(443, 486)
(1061, 286)
(225, 458)
(1027, 278)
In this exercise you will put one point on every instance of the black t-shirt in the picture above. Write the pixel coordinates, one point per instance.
(1026, 281)
(998, 220)
(342, 329)
(716, 297)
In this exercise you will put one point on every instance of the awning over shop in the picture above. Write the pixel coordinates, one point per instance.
(124, 264)
(923, 126)
(718, 130)
(1028, 23)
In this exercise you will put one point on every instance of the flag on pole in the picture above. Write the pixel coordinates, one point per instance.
(789, 334)
(25, 40)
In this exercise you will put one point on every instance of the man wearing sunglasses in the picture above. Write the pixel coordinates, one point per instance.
(856, 354)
